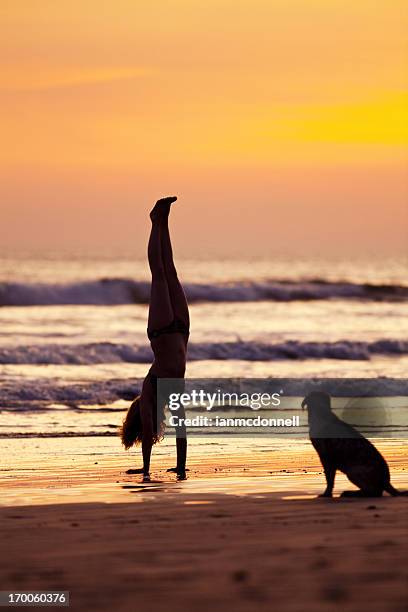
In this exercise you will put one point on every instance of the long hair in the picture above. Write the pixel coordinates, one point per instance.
(131, 429)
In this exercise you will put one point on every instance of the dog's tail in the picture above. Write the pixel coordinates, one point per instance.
(394, 492)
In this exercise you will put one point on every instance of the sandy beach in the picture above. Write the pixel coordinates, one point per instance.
(230, 537)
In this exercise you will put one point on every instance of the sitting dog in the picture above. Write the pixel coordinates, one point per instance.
(341, 447)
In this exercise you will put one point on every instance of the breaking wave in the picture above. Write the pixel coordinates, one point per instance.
(100, 397)
(115, 291)
(107, 352)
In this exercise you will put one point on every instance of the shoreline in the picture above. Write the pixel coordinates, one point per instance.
(57, 470)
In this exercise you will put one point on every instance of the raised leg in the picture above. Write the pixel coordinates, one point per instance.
(176, 291)
(160, 307)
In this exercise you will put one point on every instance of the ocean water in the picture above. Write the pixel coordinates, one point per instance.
(73, 346)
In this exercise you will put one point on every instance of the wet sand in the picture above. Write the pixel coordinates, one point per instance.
(228, 538)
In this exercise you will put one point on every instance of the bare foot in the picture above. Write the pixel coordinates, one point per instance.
(162, 207)
(146, 478)
(167, 201)
(181, 475)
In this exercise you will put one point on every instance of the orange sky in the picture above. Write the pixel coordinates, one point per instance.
(282, 124)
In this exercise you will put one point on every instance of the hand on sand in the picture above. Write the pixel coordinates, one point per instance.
(175, 470)
(162, 207)
(135, 471)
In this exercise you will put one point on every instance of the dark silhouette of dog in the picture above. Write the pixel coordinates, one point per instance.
(341, 447)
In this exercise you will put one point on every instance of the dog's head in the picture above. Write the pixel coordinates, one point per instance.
(317, 402)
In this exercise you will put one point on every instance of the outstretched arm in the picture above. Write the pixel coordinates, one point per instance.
(181, 445)
(146, 408)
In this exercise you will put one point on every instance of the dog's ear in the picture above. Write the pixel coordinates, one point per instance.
(317, 400)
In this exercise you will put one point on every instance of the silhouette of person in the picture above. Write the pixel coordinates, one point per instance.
(168, 332)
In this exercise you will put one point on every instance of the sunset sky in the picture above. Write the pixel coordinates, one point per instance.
(281, 124)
